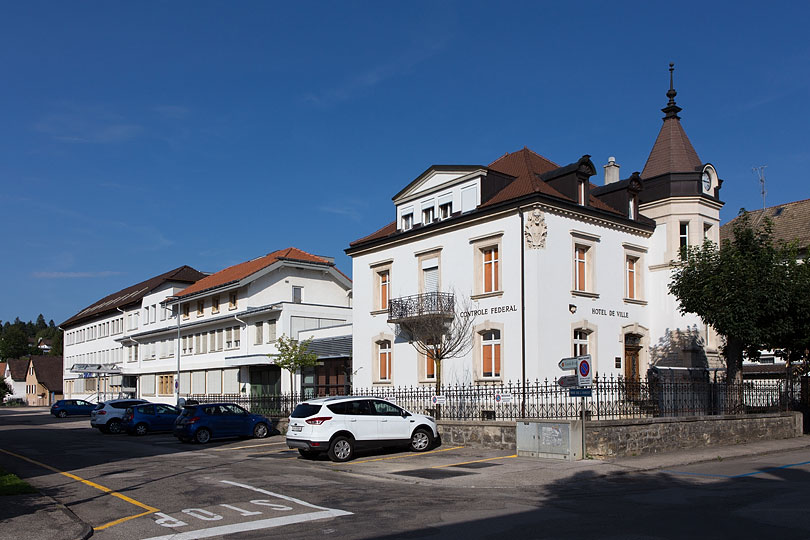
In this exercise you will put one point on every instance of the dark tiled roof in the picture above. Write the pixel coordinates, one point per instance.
(791, 222)
(388, 230)
(672, 151)
(48, 370)
(526, 166)
(237, 272)
(130, 295)
(18, 368)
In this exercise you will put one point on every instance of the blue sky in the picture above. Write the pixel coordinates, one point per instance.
(137, 137)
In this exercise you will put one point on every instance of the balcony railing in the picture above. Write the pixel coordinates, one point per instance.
(421, 305)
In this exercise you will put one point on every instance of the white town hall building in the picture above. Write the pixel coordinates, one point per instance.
(551, 264)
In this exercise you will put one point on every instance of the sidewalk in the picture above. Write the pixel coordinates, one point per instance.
(37, 516)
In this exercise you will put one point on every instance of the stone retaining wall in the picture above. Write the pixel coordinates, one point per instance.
(637, 436)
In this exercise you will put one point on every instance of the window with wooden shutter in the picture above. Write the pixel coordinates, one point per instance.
(384, 358)
(490, 256)
(491, 353)
(580, 268)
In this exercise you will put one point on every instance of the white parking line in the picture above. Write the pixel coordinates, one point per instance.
(322, 513)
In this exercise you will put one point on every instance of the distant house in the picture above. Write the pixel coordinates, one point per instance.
(791, 223)
(43, 380)
(15, 375)
(44, 345)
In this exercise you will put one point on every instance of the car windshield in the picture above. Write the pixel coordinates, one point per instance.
(305, 410)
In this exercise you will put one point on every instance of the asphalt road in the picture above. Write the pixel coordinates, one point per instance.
(153, 487)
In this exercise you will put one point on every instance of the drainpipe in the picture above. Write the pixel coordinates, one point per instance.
(247, 343)
(522, 319)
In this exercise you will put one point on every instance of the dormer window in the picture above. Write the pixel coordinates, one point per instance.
(445, 210)
(427, 215)
(407, 221)
(631, 207)
(581, 193)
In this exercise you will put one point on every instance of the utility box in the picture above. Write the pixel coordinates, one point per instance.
(554, 439)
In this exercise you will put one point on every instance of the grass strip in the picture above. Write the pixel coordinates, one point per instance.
(10, 484)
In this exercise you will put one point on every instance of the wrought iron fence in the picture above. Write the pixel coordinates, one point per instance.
(611, 398)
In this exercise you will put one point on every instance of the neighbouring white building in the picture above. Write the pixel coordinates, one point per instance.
(551, 265)
(98, 352)
(229, 324)
(127, 343)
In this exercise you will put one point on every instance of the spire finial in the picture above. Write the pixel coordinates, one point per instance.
(671, 109)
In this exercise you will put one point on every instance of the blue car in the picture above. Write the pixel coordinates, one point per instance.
(141, 419)
(72, 407)
(201, 423)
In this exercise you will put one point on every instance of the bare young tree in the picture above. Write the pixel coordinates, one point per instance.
(441, 330)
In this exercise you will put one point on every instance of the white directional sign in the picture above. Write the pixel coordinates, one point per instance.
(503, 398)
(569, 381)
(569, 364)
(584, 372)
(439, 400)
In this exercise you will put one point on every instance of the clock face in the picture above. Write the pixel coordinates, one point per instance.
(707, 182)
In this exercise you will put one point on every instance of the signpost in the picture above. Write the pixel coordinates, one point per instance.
(580, 384)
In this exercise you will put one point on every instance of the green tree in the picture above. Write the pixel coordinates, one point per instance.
(41, 324)
(294, 355)
(14, 343)
(743, 289)
(4, 389)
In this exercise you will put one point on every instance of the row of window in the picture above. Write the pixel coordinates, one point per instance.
(683, 233)
(107, 356)
(212, 381)
(488, 274)
(201, 305)
(150, 314)
(440, 208)
(487, 353)
(95, 331)
(30, 388)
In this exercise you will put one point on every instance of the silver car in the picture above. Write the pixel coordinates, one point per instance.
(108, 415)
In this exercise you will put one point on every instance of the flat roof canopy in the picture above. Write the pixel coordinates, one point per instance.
(96, 369)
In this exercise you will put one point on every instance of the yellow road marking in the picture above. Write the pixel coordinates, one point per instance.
(400, 457)
(474, 461)
(149, 509)
(249, 446)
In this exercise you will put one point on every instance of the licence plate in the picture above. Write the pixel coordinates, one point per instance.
(295, 428)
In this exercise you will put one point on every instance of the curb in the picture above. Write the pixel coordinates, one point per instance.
(87, 530)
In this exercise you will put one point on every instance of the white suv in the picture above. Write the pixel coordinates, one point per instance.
(108, 415)
(339, 425)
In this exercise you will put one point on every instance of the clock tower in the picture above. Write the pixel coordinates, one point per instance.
(681, 194)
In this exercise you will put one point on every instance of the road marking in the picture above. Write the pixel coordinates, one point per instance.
(474, 461)
(149, 509)
(400, 457)
(322, 513)
(743, 475)
(251, 446)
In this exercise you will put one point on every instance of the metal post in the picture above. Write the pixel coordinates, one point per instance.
(177, 376)
(582, 407)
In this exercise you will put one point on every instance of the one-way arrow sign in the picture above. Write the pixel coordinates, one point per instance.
(569, 381)
(569, 364)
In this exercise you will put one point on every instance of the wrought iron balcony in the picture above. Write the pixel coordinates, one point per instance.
(434, 304)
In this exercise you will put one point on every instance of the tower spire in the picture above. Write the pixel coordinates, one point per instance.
(671, 110)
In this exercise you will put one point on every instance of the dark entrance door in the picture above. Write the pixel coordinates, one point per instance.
(632, 346)
(265, 380)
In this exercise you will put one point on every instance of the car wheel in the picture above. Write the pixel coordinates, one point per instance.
(114, 427)
(421, 440)
(202, 436)
(141, 429)
(341, 449)
(62, 414)
(308, 454)
(260, 431)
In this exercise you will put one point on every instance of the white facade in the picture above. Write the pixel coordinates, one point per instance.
(586, 282)
(228, 349)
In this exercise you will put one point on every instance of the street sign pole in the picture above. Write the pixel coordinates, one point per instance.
(582, 406)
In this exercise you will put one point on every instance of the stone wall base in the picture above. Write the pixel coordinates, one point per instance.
(638, 436)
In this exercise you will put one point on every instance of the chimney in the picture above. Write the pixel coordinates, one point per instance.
(611, 171)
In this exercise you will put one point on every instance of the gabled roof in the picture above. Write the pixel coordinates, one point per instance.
(238, 272)
(791, 222)
(48, 370)
(18, 368)
(133, 294)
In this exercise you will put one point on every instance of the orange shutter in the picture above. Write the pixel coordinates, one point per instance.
(497, 355)
(430, 367)
(631, 278)
(581, 269)
(495, 263)
(487, 360)
(383, 366)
